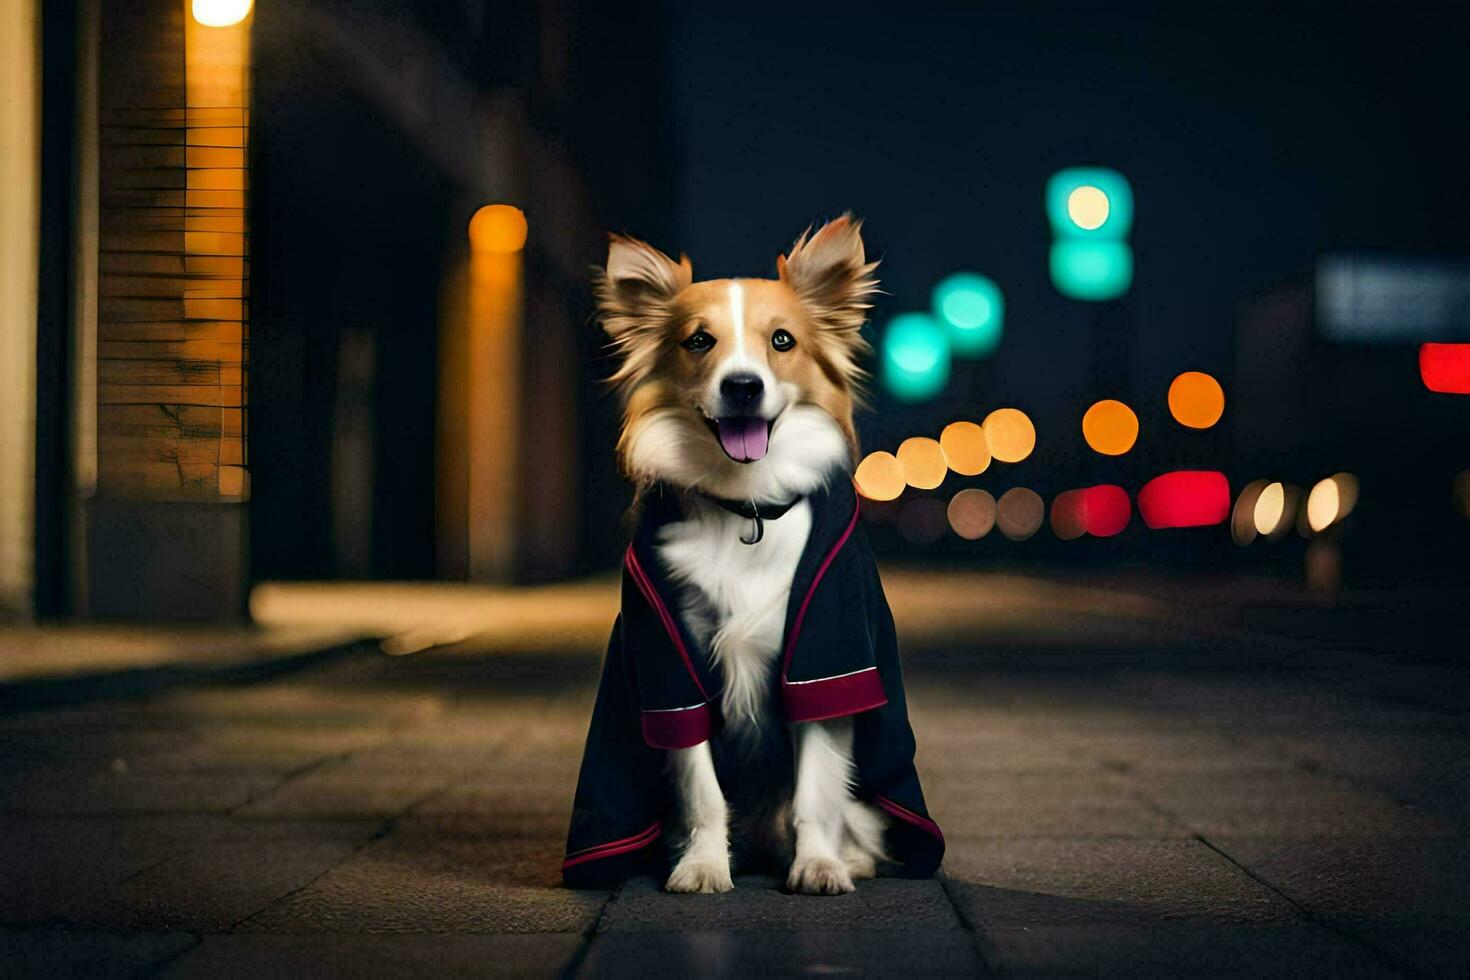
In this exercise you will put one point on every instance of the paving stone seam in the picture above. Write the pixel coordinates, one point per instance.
(1333, 777)
(1385, 956)
(590, 937)
(322, 763)
(1175, 820)
(977, 937)
(382, 831)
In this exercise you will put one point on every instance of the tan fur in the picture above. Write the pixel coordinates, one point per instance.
(649, 305)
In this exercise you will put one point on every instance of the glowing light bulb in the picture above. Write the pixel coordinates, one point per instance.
(1088, 207)
(220, 13)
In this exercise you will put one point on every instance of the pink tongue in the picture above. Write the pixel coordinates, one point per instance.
(743, 438)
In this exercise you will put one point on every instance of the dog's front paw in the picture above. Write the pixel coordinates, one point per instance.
(819, 876)
(860, 864)
(701, 875)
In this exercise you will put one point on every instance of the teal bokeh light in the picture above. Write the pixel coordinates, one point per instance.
(1091, 270)
(973, 308)
(915, 356)
(1119, 194)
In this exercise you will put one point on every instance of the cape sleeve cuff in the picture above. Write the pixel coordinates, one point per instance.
(678, 728)
(833, 697)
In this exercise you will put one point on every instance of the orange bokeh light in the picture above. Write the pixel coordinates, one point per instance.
(1196, 400)
(498, 228)
(965, 448)
(879, 477)
(923, 462)
(1110, 427)
(1010, 434)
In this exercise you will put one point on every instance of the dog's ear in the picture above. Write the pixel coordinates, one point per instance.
(831, 275)
(635, 295)
(638, 284)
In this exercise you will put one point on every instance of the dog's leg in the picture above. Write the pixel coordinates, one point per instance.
(823, 780)
(862, 840)
(705, 864)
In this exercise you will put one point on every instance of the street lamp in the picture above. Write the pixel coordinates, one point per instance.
(1090, 210)
(221, 13)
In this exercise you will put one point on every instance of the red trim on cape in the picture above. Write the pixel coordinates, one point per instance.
(598, 851)
(811, 589)
(830, 697)
(909, 816)
(640, 578)
(680, 728)
(833, 697)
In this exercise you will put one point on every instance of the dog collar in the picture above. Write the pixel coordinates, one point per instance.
(752, 511)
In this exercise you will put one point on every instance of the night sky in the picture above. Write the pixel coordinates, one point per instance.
(1254, 140)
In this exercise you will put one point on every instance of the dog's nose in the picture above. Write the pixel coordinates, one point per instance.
(742, 392)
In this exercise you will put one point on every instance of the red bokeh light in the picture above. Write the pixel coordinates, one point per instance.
(1106, 510)
(1445, 368)
(1101, 511)
(1185, 498)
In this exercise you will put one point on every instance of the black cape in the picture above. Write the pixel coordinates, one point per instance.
(839, 657)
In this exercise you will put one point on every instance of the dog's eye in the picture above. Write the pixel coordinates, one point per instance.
(782, 340)
(699, 342)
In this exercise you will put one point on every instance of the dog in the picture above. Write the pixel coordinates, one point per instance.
(738, 435)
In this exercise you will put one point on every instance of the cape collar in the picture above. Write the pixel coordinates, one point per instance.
(832, 509)
(752, 511)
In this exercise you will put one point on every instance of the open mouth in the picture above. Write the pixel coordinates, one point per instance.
(745, 438)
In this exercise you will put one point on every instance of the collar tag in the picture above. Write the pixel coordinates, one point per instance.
(758, 514)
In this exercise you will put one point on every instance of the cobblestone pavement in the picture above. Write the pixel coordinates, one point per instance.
(382, 816)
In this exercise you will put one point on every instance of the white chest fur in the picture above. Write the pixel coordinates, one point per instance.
(734, 595)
